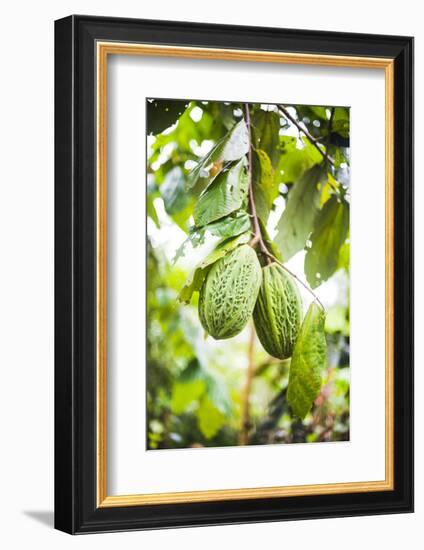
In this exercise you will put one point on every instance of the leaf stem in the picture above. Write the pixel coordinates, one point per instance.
(310, 137)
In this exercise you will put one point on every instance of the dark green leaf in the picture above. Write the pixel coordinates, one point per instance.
(162, 113)
(332, 225)
(298, 218)
(266, 127)
(265, 188)
(223, 196)
(308, 360)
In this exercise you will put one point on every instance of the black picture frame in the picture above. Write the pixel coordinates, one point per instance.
(76, 509)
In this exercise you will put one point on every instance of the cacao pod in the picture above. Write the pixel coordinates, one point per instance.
(229, 292)
(278, 311)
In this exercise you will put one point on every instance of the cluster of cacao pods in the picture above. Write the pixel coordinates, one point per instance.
(237, 287)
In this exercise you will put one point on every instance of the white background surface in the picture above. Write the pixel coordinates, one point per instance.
(26, 289)
(134, 470)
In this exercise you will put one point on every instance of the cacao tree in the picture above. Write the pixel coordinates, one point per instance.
(254, 188)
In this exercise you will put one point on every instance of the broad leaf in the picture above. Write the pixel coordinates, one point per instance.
(332, 225)
(266, 128)
(225, 195)
(233, 146)
(294, 160)
(231, 226)
(194, 283)
(265, 188)
(308, 360)
(297, 220)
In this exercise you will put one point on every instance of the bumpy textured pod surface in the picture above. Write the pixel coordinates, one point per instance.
(229, 293)
(278, 311)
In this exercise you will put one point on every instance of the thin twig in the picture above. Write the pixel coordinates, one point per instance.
(310, 137)
(330, 128)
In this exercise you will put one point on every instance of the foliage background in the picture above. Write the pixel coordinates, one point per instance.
(195, 385)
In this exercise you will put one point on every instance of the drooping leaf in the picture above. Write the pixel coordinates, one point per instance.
(223, 196)
(265, 133)
(162, 113)
(173, 192)
(232, 147)
(331, 227)
(297, 220)
(210, 418)
(195, 281)
(308, 361)
(265, 188)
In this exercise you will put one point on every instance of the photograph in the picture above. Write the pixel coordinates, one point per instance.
(248, 273)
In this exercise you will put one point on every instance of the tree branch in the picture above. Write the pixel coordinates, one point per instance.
(257, 238)
(310, 137)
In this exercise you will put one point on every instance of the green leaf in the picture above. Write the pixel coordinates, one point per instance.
(195, 281)
(233, 146)
(297, 220)
(225, 195)
(231, 226)
(332, 225)
(163, 113)
(344, 257)
(265, 188)
(308, 360)
(294, 160)
(173, 192)
(210, 419)
(266, 128)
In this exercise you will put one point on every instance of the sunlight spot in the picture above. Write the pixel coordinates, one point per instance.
(196, 114)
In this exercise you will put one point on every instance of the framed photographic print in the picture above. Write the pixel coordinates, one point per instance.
(234, 274)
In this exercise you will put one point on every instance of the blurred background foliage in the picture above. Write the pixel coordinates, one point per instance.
(195, 386)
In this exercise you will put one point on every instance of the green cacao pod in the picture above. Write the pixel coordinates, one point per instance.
(278, 311)
(229, 293)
